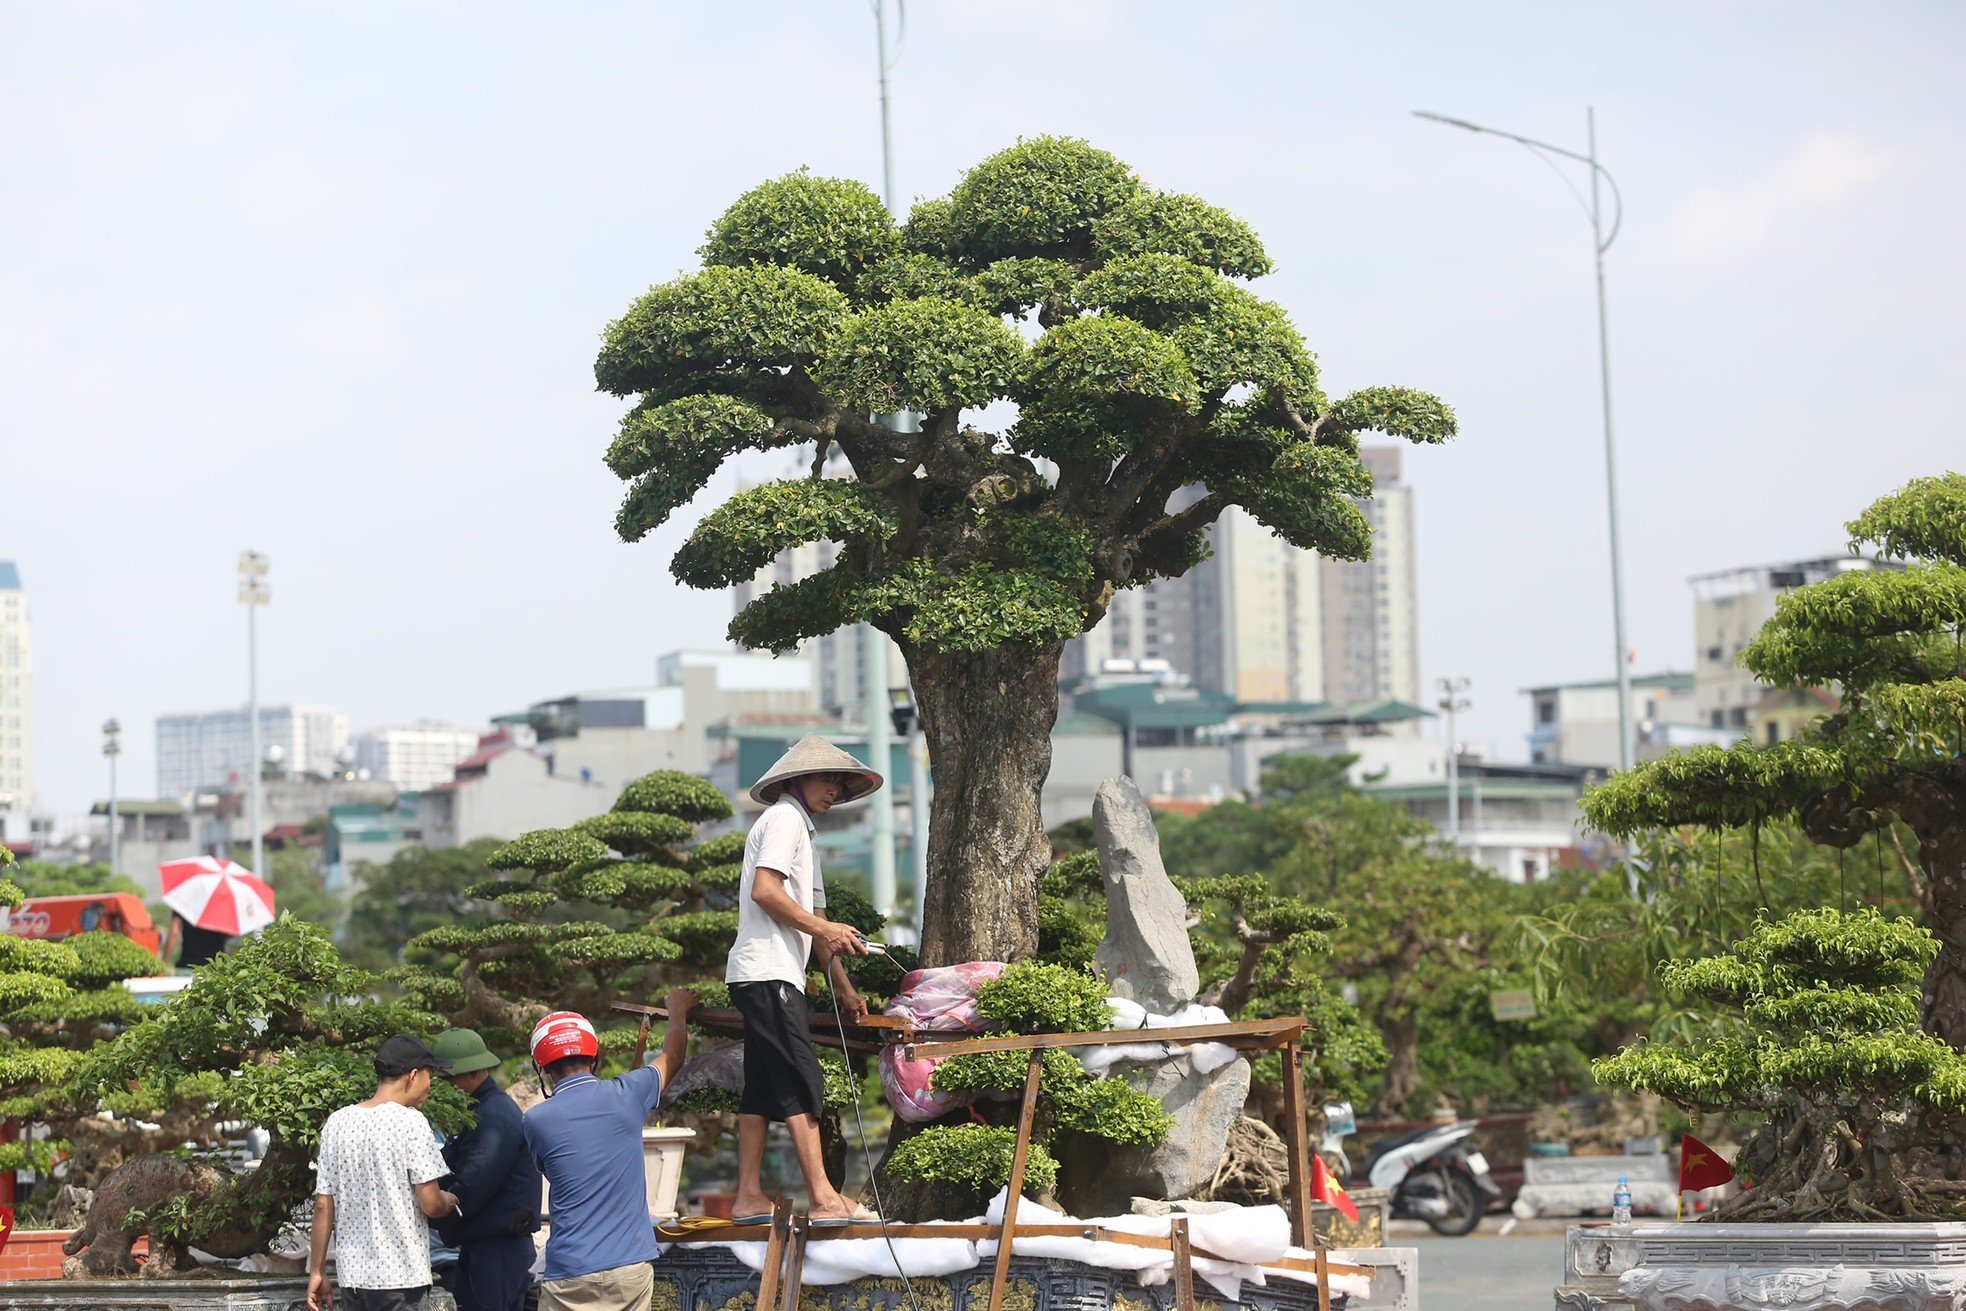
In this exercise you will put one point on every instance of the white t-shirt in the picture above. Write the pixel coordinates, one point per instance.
(370, 1161)
(767, 951)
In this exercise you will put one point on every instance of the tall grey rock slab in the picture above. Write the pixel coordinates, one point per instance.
(1146, 956)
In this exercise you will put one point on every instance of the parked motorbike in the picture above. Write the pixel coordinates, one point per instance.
(1434, 1173)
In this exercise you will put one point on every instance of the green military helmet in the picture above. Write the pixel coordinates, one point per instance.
(465, 1050)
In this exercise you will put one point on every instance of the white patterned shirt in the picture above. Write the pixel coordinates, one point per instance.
(370, 1161)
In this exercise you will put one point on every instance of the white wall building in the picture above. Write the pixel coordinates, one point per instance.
(213, 750)
(16, 707)
(1577, 723)
(414, 756)
(1729, 608)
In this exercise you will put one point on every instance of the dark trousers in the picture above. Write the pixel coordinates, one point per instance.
(492, 1273)
(384, 1299)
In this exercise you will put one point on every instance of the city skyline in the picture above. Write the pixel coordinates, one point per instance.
(353, 321)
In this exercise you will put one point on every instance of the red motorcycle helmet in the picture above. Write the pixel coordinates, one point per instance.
(563, 1034)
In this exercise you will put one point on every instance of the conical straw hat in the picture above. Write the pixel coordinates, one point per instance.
(813, 754)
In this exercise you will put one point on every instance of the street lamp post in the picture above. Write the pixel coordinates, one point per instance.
(254, 592)
(113, 748)
(1600, 242)
(875, 692)
(1453, 703)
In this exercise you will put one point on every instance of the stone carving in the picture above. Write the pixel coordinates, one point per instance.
(1769, 1267)
(1146, 956)
(1581, 1185)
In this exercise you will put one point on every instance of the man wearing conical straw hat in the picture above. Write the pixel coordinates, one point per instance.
(781, 924)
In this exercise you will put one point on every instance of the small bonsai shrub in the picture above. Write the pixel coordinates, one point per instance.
(975, 1157)
(1820, 1036)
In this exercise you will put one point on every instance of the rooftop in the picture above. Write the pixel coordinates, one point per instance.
(9, 576)
(1487, 788)
(1669, 681)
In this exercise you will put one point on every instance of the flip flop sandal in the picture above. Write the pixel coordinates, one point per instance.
(761, 1218)
(861, 1216)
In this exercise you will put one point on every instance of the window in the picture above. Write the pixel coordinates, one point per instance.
(1774, 733)
(1713, 653)
(1719, 718)
(1738, 717)
(1546, 712)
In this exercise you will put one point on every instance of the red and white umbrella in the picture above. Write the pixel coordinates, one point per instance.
(217, 894)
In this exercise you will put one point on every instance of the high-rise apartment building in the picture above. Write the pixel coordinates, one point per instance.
(16, 706)
(1263, 620)
(214, 749)
(1729, 608)
(414, 756)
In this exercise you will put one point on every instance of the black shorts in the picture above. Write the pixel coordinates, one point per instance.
(782, 1077)
(384, 1299)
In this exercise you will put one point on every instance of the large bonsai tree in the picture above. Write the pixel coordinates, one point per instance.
(57, 1001)
(619, 907)
(1820, 1038)
(277, 1033)
(1153, 390)
(1892, 645)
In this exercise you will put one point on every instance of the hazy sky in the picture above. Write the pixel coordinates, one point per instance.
(327, 280)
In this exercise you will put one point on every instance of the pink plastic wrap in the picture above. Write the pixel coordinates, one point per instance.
(934, 1001)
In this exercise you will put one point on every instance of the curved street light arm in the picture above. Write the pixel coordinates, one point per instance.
(1617, 197)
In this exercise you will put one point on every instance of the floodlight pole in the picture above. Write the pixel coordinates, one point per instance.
(254, 592)
(1600, 242)
(873, 658)
(112, 748)
(1453, 703)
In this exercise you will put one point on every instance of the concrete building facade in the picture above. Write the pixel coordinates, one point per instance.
(16, 707)
(414, 756)
(1577, 723)
(1729, 608)
(201, 752)
(1261, 620)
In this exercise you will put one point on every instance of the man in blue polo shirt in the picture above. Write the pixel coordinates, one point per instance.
(587, 1138)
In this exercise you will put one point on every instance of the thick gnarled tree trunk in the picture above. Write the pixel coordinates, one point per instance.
(1942, 852)
(988, 718)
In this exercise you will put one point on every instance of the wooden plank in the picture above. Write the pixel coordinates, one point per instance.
(1299, 1182)
(795, 1265)
(642, 1042)
(1238, 1033)
(1026, 1113)
(720, 1020)
(729, 1015)
(1184, 1266)
(1323, 1277)
(777, 1232)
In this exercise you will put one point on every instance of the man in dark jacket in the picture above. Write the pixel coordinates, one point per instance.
(497, 1185)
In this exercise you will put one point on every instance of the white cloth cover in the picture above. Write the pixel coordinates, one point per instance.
(1206, 1057)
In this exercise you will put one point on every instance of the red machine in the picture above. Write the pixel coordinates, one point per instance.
(55, 918)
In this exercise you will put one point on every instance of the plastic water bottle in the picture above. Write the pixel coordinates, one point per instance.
(1621, 1205)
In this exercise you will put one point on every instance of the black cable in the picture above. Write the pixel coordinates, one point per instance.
(866, 1153)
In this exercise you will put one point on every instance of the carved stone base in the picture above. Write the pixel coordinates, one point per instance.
(265, 1293)
(1781, 1267)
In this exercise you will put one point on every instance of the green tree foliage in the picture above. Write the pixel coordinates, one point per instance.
(620, 907)
(41, 878)
(1819, 1039)
(1029, 998)
(57, 1001)
(1153, 390)
(300, 887)
(414, 891)
(1892, 645)
(1595, 953)
(1416, 929)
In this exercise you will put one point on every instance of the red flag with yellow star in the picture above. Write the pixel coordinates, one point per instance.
(6, 1226)
(1700, 1166)
(1328, 1190)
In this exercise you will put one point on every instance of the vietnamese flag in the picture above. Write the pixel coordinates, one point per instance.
(6, 1226)
(1700, 1166)
(1328, 1190)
